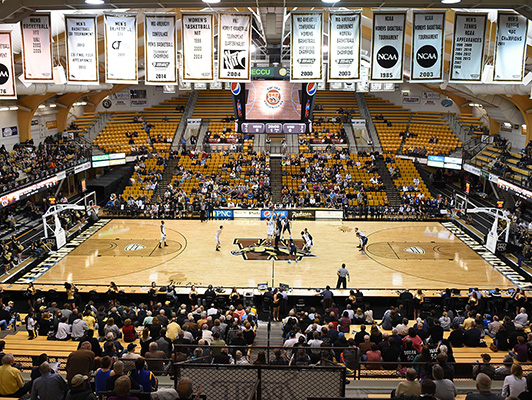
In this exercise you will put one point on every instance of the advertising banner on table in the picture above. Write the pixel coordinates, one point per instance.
(428, 38)
(267, 214)
(467, 57)
(388, 46)
(37, 48)
(121, 48)
(82, 49)
(234, 47)
(7, 72)
(197, 33)
(160, 49)
(344, 46)
(306, 48)
(223, 214)
(510, 51)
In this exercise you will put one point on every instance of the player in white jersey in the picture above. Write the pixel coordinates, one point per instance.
(163, 235)
(308, 241)
(271, 229)
(217, 237)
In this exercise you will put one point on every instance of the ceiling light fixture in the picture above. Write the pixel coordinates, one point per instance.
(330, 1)
(451, 1)
(94, 2)
(211, 1)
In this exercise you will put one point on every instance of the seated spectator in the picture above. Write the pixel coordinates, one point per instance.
(144, 378)
(504, 370)
(49, 386)
(185, 390)
(514, 384)
(116, 373)
(411, 386)
(80, 389)
(11, 380)
(122, 389)
(102, 375)
(485, 367)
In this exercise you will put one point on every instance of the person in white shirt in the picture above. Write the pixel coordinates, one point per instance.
(217, 237)
(522, 317)
(349, 312)
(271, 229)
(163, 235)
(514, 384)
(445, 389)
(63, 330)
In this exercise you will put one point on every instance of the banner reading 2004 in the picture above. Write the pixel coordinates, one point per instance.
(197, 45)
(82, 49)
(121, 48)
(388, 44)
(234, 47)
(344, 46)
(160, 49)
(37, 48)
(306, 47)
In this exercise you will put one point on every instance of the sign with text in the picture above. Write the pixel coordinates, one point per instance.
(198, 46)
(37, 48)
(223, 214)
(467, 57)
(306, 49)
(344, 46)
(7, 72)
(510, 52)
(82, 49)
(388, 46)
(234, 47)
(160, 50)
(428, 36)
(121, 48)
(10, 131)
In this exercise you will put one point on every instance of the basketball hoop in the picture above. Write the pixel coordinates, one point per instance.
(94, 210)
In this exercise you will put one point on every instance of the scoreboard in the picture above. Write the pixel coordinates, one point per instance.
(273, 127)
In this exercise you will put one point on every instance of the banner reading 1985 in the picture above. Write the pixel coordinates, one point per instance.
(121, 48)
(467, 57)
(428, 35)
(510, 54)
(160, 49)
(306, 47)
(234, 47)
(344, 46)
(82, 49)
(7, 71)
(197, 47)
(37, 48)
(388, 46)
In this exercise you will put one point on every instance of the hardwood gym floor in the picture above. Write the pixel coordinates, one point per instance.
(399, 255)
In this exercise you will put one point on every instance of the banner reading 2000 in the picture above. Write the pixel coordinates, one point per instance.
(160, 49)
(306, 47)
(344, 46)
(121, 48)
(37, 48)
(234, 47)
(387, 46)
(82, 49)
(197, 45)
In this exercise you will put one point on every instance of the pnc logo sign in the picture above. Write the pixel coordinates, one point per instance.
(387, 57)
(427, 56)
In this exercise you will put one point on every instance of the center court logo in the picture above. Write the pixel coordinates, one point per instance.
(273, 98)
(415, 250)
(134, 246)
(258, 250)
(426, 56)
(387, 56)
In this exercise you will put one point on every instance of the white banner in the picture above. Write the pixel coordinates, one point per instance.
(37, 48)
(388, 46)
(344, 46)
(428, 38)
(467, 57)
(198, 45)
(7, 71)
(82, 49)
(121, 48)
(160, 50)
(510, 52)
(306, 46)
(234, 47)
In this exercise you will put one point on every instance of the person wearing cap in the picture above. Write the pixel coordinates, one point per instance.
(11, 380)
(129, 357)
(485, 367)
(80, 389)
(48, 386)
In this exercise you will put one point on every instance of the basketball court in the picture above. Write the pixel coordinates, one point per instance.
(399, 254)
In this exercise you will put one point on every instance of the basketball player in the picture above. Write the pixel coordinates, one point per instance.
(363, 242)
(218, 239)
(278, 227)
(359, 231)
(163, 235)
(286, 224)
(271, 229)
(293, 251)
(308, 241)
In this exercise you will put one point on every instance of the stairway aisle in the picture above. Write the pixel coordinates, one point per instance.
(276, 178)
(392, 193)
(168, 173)
(365, 114)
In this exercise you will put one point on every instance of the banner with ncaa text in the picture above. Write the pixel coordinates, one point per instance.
(467, 57)
(121, 48)
(7, 71)
(234, 47)
(306, 47)
(37, 48)
(388, 46)
(344, 46)
(82, 49)
(512, 30)
(160, 50)
(428, 39)
(198, 47)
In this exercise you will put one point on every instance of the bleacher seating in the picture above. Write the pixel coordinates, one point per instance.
(85, 121)
(446, 143)
(408, 172)
(139, 179)
(467, 121)
(487, 157)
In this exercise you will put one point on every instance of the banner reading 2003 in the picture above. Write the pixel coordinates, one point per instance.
(37, 48)
(160, 49)
(82, 49)
(428, 35)
(234, 47)
(197, 45)
(306, 47)
(388, 44)
(344, 46)
(121, 48)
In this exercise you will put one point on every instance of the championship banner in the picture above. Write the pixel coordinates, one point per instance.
(234, 47)
(428, 39)
(510, 51)
(198, 45)
(82, 49)
(121, 48)
(388, 41)
(37, 48)
(306, 48)
(160, 50)
(344, 46)
(467, 57)
(7, 72)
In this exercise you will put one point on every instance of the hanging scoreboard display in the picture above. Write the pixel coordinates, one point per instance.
(388, 46)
